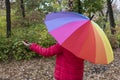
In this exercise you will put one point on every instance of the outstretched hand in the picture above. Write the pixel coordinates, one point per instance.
(26, 43)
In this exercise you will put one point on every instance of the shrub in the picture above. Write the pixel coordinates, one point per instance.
(12, 48)
(114, 42)
(4, 49)
(2, 25)
(118, 34)
(114, 39)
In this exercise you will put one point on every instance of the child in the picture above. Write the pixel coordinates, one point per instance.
(68, 66)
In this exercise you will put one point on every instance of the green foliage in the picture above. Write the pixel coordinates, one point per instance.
(114, 39)
(88, 6)
(12, 48)
(33, 18)
(114, 42)
(4, 45)
(101, 22)
(19, 51)
(31, 27)
(33, 15)
(2, 25)
(93, 6)
(118, 34)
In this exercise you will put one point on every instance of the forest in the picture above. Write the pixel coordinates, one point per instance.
(23, 20)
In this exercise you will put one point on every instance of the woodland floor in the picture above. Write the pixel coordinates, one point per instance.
(42, 69)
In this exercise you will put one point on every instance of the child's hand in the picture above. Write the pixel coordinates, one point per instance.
(26, 43)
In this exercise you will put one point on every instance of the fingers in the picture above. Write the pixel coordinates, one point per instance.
(26, 41)
(26, 44)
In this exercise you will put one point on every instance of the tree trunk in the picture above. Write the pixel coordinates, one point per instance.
(8, 18)
(22, 8)
(79, 6)
(70, 5)
(111, 17)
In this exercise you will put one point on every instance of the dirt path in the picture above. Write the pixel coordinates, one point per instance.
(42, 69)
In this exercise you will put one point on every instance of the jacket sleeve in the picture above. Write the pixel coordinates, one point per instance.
(47, 52)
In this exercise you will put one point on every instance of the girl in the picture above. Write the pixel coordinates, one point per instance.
(67, 67)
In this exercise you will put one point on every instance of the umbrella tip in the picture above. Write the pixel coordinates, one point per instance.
(91, 17)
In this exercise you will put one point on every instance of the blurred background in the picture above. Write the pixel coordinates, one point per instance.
(24, 20)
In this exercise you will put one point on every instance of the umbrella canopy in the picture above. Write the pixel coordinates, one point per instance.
(78, 34)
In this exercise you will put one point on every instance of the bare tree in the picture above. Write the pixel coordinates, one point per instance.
(111, 16)
(8, 18)
(22, 8)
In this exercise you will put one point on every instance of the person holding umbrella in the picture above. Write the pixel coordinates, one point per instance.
(78, 39)
(67, 67)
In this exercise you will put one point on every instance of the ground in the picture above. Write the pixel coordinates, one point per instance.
(42, 69)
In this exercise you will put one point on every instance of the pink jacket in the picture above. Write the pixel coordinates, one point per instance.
(68, 66)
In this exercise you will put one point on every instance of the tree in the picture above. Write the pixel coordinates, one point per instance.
(78, 6)
(89, 7)
(70, 5)
(111, 17)
(22, 8)
(8, 18)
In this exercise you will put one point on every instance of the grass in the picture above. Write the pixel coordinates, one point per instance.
(2, 25)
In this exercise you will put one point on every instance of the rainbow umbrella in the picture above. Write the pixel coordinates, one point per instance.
(80, 35)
